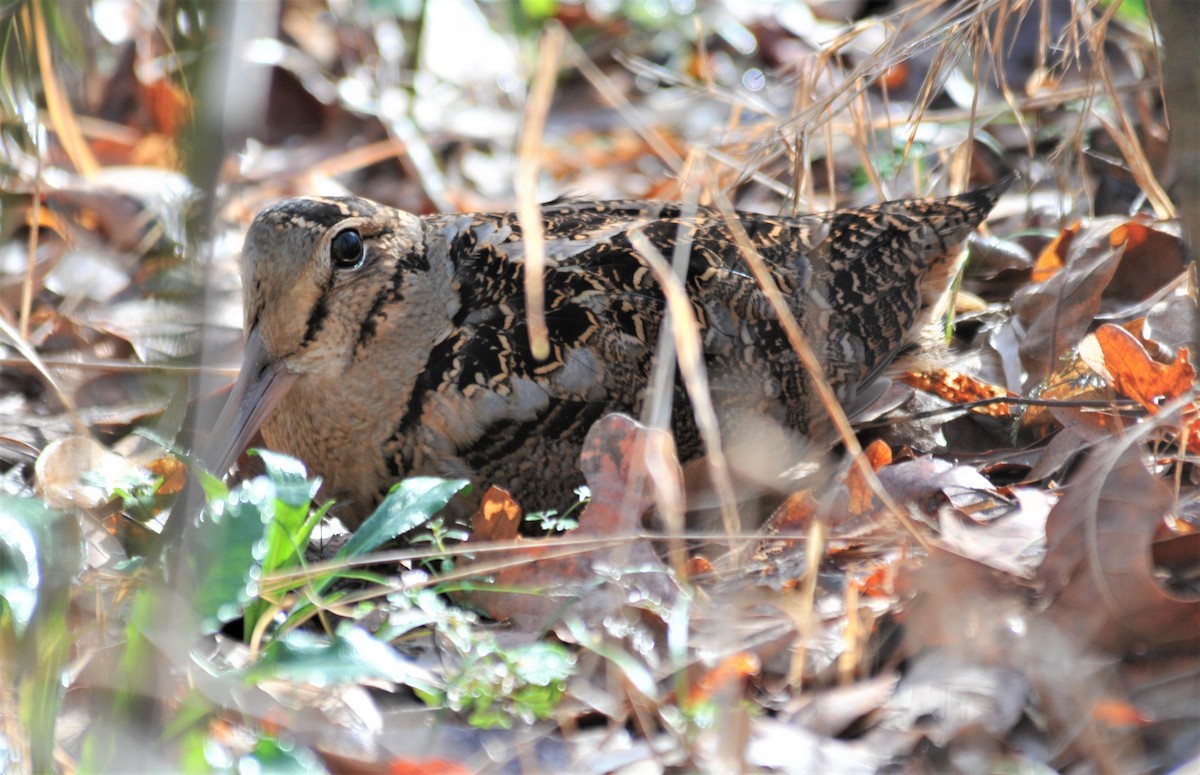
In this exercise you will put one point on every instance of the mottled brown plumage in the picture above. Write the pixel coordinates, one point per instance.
(381, 344)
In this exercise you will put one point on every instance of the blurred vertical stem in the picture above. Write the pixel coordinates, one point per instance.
(230, 101)
(230, 104)
(1176, 22)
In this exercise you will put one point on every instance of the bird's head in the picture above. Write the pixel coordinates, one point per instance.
(322, 278)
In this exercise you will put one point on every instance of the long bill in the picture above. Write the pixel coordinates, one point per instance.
(261, 385)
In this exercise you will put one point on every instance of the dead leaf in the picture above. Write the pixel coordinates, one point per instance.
(1098, 575)
(862, 497)
(1053, 256)
(1115, 712)
(594, 568)
(498, 517)
(71, 473)
(732, 670)
(793, 516)
(1136, 375)
(1152, 259)
(174, 473)
(853, 502)
(1051, 318)
(1013, 542)
(926, 482)
(959, 388)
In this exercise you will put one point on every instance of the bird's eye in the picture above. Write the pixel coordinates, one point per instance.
(347, 250)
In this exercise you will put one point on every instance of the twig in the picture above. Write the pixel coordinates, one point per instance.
(529, 213)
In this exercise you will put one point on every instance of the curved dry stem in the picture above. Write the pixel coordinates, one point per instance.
(808, 358)
(690, 352)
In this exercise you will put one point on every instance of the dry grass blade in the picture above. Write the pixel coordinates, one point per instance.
(358, 158)
(605, 87)
(529, 213)
(62, 116)
(1125, 136)
(695, 377)
(803, 349)
(657, 413)
(113, 366)
(31, 254)
(31, 355)
(804, 615)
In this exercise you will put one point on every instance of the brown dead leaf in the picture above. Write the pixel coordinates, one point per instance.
(862, 497)
(498, 518)
(1013, 542)
(1052, 317)
(1153, 258)
(174, 473)
(855, 501)
(1098, 573)
(927, 482)
(72, 473)
(540, 580)
(169, 105)
(1136, 375)
(794, 515)
(879, 582)
(1053, 256)
(959, 388)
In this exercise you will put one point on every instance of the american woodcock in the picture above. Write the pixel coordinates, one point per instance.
(381, 344)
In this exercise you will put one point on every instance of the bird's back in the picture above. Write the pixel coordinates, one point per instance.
(861, 282)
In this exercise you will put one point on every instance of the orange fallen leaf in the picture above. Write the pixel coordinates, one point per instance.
(1053, 256)
(1136, 375)
(169, 105)
(794, 515)
(731, 670)
(174, 475)
(1152, 258)
(880, 582)
(862, 497)
(959, 388)
(498, 518)
(1113, 712)
(895, 76)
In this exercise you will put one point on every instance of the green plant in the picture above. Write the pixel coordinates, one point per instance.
(494, 685)
(552, 522)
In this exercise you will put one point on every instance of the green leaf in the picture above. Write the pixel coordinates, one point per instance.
(410, 504)
(227, 551)
(286, 471)
(543, 664)
(539, 9)
(275, 757)
(40, 555)
(353, 655)
(291, 520)
(19, 572)
(292, 523)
